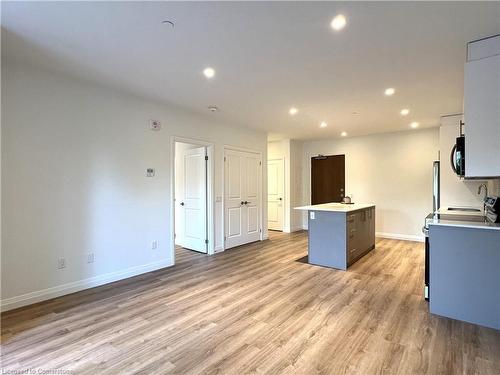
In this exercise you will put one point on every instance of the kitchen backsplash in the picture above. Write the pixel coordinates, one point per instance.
(494, 187)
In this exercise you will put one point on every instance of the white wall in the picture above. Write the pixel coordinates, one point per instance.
(391, 170)
(291, 152)
(74, 157)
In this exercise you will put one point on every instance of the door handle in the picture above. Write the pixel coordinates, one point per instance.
(246, 202)
(182, 203)
(280, 199)
(242, 203)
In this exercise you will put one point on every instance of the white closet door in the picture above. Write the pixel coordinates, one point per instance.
(192, 204)
(242, 197)
(275, 193)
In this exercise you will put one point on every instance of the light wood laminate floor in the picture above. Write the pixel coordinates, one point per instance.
(254, 309)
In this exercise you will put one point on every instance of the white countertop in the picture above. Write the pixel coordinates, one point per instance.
(335, 207)
(446, 210)
(466, 224)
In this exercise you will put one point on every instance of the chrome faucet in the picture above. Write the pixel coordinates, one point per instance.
(485, 194)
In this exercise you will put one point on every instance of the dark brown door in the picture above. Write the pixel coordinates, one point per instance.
(327, 179)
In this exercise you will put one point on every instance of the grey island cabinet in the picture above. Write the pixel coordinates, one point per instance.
(339, 234)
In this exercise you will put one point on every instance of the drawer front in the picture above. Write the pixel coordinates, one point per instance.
(351, 220)
(354, 253)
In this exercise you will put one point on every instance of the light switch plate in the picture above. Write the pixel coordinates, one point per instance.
(311, 215)
(150, 172)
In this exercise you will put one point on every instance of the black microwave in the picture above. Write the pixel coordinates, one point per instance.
(457, 157)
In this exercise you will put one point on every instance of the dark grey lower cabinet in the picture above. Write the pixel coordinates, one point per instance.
(361, 234)
(338, 239)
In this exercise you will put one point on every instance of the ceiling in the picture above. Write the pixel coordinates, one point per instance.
(268, 57)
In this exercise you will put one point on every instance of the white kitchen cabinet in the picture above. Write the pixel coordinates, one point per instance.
(482, 117)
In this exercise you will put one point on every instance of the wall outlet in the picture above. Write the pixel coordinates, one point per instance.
(61, 263)
(150, 172)
(154, 245)
(90, 258)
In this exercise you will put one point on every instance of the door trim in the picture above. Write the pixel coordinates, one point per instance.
(210, 192)
(285, 202)
(261, 217)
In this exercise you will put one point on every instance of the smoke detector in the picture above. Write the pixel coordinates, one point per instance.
(213, 108)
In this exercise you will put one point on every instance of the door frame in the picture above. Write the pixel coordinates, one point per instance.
(285, 202)
(210, 192)
(261, 214)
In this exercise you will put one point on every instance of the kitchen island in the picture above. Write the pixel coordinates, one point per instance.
(339, 234)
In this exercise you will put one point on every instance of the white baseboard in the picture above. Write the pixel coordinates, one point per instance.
(76, 286)
(404, 237)
(218, 249)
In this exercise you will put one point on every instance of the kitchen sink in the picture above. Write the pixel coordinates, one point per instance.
(466, 209)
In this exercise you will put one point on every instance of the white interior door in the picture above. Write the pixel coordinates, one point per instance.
(242, 197)
(275, 193)
(191, 199)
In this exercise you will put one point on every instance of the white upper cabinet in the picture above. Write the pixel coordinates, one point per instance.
(482, 109)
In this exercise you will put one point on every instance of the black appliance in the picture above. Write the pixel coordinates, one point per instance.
(436, 204)
(457, 155)
(425, 230)
(492, 206)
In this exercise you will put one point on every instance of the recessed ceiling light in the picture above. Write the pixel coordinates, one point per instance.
(209, 72)
(323, 124)
(213, 108)
(414, 125)
(343, 134)
(293, 111)
(338, 22)
(404, 112)
(390, 91)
